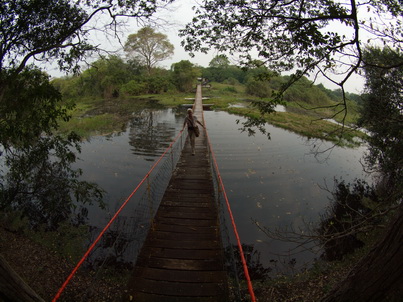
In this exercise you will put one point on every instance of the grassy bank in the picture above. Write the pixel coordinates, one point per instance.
(98, 116)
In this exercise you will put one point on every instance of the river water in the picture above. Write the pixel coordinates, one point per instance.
(277, 183)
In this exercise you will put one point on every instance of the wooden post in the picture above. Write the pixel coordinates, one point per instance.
(12, 287)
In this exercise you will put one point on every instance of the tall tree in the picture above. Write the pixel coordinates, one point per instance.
(316, 37)
(382, 112)
(149, 47)
(219, 61)
(184, 75)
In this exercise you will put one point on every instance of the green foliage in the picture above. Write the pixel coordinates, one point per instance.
(304, 92)
(41, 184)
(133, 87)
(105, 77)
(48, 30)
(308, 38)
(349, 213)
(184, 75)
(293, 35)
(30, 107)
(93, 125)
(382, 113)
(217, 73)
(157, 84)
(258, 88)
(67, 240)
(219, 61)
(41, 27)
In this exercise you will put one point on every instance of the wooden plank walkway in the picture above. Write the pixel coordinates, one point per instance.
(182, 258)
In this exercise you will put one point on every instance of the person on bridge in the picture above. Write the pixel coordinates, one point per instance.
(191, 121)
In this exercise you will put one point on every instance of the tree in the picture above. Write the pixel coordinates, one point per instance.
(149, 46)
(219, 61)
(316, 37)
(382, 114)
(105, 77)
(184, 75)
(378, 275)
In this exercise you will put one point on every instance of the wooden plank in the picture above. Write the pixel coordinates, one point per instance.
(189, 244)
(181, 264)
(185, 229)
(186, 222)
(187, 215)
(178, 289)
(173, 195)
(165, 209)
(147, 297)
(158, 252)
(185, 203)
(182, 276)
(184, 236)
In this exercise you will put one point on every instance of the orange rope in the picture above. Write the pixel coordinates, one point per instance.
(244, 265)
(110, 222)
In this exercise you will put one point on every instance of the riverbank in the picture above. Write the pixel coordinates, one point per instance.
(98, 117)
(45, 271)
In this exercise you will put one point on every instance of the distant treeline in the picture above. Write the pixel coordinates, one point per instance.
(112, 77)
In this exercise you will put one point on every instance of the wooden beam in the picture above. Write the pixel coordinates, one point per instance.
(12, 287)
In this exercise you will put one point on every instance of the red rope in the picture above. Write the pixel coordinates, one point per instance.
(244, 265)
(111, 221)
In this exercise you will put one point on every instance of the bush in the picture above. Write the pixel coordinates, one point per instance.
(258, 88)
(134, 87)
(349, 214)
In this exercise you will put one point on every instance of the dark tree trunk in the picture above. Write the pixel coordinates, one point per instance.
(378, 276)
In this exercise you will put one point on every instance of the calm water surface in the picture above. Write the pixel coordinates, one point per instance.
(275, 182)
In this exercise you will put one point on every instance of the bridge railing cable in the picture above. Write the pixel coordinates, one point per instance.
(131, 228)
(223, 202)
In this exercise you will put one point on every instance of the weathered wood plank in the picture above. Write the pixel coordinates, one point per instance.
(147, 297)
(190, 289)
(186, 222)
(184, 236)
(187, 215)
(189, 244)
(180, 264)
(159, 252)
(185, 229)
(182, 276)
(184, 203)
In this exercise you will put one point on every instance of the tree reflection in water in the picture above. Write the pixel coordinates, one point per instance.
(149, 134)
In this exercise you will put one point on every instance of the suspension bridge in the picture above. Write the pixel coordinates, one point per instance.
(183, 257)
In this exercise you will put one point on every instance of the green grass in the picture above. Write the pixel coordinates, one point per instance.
(93, 125)
(98, 116)
(306, 125)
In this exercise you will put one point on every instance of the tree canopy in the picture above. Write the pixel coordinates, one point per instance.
(382, 114)
(318, 38)
(149, 47)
